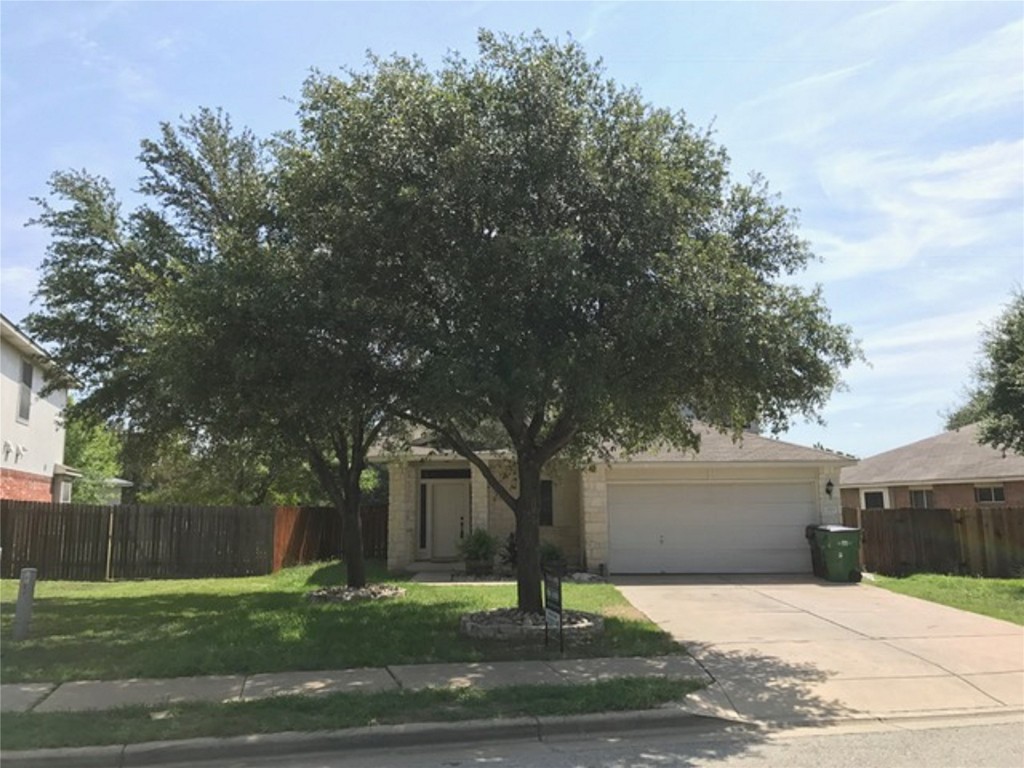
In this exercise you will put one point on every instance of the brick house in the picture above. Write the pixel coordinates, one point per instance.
(31, 430)
(947, 471)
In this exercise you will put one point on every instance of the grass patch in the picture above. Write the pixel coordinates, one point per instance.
(998, 598)
(173, 628)
(133, 725)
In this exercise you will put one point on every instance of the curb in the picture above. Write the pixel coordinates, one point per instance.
(369, 737)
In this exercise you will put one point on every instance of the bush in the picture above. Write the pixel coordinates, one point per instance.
(479, 546)
(550, 554)
(509, 555)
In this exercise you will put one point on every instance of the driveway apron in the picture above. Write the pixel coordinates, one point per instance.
(793, 648)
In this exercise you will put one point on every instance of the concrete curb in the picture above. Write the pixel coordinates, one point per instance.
(378, 736)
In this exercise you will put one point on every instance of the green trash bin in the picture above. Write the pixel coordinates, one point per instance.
(839, 548)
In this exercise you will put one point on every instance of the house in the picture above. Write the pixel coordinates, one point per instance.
(947, 471)
(31, 430)
(732, 507)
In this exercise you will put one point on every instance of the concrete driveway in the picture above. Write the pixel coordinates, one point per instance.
(785, 649)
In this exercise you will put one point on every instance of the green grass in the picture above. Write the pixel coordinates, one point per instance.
(106, 631)
(998, 598)
(132, 725)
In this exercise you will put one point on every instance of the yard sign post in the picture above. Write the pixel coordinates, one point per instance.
(553, 606)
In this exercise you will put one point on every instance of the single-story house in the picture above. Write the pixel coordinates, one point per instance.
(732, 507)
(947, 471)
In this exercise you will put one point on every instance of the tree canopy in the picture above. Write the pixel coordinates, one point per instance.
(996, 399)
(514, 240)
(568, 261)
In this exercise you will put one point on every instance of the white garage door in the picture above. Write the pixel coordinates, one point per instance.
(698, 528)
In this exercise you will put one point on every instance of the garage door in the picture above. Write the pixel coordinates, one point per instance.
(699, 528)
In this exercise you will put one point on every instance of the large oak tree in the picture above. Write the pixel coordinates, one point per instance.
(568, 261)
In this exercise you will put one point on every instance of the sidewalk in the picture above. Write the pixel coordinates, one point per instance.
(109, 694)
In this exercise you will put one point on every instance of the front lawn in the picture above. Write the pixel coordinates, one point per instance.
(107, 631)
(999, 598)
(132, 725)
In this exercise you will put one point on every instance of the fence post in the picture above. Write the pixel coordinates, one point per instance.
(23, 610)
(110, 543)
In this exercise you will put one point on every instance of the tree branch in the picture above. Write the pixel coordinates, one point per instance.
(462, 448)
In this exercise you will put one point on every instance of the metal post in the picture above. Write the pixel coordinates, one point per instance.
(23, 610)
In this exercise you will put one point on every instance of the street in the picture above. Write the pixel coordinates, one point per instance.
(937, 743)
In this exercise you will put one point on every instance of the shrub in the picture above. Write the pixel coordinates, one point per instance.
(479, 546)
(550, 554)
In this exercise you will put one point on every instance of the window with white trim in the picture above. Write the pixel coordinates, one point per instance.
(989, 494)
(25, 391)
(875, 498)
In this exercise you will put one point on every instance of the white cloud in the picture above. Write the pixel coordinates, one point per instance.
(18, 277)
(911, 207)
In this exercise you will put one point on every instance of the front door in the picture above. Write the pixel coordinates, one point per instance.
(449, 518)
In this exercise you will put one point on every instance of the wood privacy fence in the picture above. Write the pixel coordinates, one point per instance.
(90, 542)
(981, 542)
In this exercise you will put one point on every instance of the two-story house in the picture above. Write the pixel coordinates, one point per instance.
(31, 429)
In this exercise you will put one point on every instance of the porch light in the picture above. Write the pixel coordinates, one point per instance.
(828, 488)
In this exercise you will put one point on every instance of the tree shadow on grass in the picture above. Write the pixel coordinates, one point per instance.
(196, 633)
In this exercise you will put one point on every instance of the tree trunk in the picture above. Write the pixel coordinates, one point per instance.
(528, 572)
(352, 533)
(342, 486)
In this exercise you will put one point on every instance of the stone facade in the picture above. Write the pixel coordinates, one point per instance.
(594, 514)
(402, 506)
(487, 510)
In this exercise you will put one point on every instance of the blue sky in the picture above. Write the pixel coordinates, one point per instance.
(897, 130)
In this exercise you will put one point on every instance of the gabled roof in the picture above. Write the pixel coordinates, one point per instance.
(951, 457)
(21, 341)
(715, 448)
(751, 448)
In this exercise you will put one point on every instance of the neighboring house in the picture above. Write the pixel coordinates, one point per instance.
(948, 471)
(734, 507)
(31, 431)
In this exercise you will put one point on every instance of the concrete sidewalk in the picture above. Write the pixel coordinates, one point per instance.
(109, 694)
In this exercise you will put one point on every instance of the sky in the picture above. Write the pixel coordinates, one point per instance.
(896, 130)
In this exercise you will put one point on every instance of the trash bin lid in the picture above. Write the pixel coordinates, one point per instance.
(836, 528)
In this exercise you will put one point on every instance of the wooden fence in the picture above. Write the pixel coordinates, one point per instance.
(307, 534)
(90, 542)
(982, 542)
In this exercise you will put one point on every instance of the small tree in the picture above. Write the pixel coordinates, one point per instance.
(93, 449)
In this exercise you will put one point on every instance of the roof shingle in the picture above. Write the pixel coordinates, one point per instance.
(947, 458)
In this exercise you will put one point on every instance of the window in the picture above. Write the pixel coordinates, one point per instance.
(989, 494)
(547, 505)
(25, 391)
(65, 491)
(874, 499)
(921, 498)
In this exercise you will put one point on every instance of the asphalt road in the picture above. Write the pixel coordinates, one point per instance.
(991, 743)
